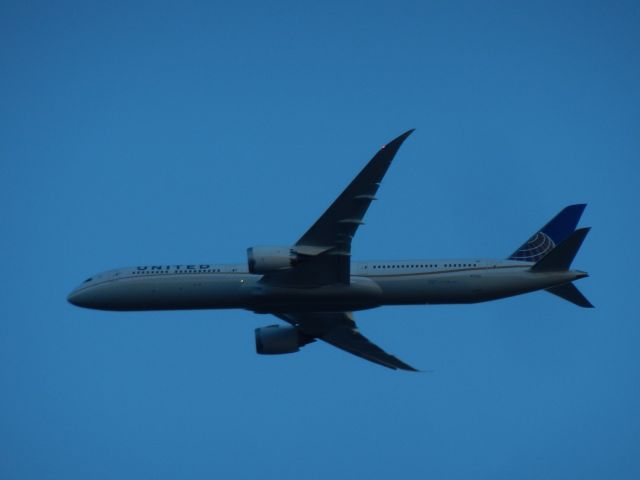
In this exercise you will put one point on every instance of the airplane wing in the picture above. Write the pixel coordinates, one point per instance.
(325, 249)
(340, 330)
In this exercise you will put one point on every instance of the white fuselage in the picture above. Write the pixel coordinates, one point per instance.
(373, 284)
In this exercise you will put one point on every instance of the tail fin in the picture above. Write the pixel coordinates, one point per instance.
(552, 234)
(559, 259)
(570, 292)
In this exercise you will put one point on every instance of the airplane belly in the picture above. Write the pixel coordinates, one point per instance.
(421, 289)
(458, 287)
(214, 291)
(170, 293)
(360, 294)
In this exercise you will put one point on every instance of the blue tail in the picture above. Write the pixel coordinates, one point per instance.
(554, 232)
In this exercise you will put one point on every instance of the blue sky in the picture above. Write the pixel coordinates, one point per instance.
(172, 132)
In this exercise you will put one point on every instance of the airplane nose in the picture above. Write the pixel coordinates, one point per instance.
(79, 298)
(99, 297)
(73, 298)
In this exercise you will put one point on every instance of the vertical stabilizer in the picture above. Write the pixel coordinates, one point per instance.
(552, 234)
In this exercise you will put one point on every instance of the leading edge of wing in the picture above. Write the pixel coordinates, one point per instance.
(340, 330)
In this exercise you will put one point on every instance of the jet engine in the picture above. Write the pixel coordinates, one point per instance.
(269, 259)
(276, 339)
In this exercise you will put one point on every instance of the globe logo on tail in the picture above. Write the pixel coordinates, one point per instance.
(535, 248)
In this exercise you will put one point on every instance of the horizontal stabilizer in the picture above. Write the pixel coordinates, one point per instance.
(559, 259)
(570, 293)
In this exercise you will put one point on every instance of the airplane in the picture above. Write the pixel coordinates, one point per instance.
(314, 287)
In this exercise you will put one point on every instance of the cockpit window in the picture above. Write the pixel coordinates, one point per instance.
(88, 280)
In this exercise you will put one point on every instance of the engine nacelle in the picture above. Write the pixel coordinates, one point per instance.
(270, 259)
(276, 339)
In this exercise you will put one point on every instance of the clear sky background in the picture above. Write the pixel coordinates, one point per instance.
(172, 132)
